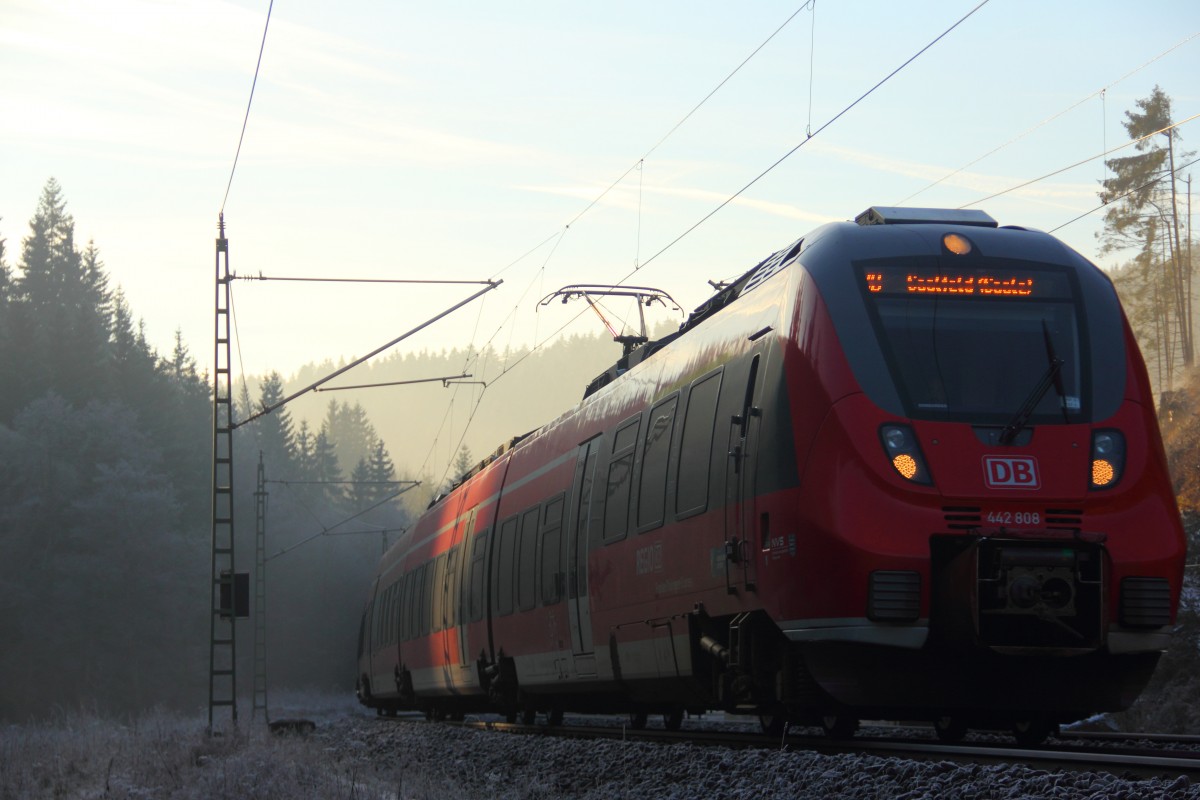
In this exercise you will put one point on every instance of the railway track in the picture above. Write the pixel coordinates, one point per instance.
(1131, 756)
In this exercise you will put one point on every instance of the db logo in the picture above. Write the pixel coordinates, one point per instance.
(1011, 472)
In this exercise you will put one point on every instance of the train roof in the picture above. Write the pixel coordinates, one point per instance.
(899, 219)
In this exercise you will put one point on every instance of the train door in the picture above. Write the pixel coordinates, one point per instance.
(740, 508)
(578, 608)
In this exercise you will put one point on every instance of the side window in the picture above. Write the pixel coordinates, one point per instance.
(528, 557)
(450, 616)
(438, 590)
(427, 574)
(620, 478)
(695, 451)
(506, 560)
(362, 633)
(375, 623)
(401, 588)
(416, 595)
(652, 490)
(406, 607)
(475, 587)
(387, 614)
(552, 571)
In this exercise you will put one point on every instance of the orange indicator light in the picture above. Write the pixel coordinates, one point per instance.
(906, 465)
(956, 244)
(1102, 472)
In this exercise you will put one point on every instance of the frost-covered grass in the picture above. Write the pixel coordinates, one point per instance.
(165, 755)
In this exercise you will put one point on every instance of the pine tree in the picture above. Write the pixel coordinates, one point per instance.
(325, 468)
(276, 438)
(64, 306)
(463, 464)
(304, 453)
(133, 362)
(350, 431)
(360, 495)
(1141, 215)
(382, 472)
(8, 390)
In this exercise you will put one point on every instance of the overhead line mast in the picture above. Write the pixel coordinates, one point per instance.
(222, 642)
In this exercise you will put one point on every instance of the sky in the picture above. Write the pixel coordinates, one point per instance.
(467, 140)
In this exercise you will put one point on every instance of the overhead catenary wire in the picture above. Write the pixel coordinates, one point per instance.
(445, 380)
(1079, 163)
(330, 529)
(812, 136)
(637, 164)
(1101, 92)
(312, 386)
(249, 103)
(1120, 197)
(538, 345)
(261, 277)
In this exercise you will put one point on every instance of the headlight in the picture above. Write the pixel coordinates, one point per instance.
(900, 444)
(1108, 458)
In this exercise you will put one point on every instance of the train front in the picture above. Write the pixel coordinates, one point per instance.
(989, 531)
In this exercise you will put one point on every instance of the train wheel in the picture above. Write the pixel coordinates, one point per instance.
(839, 726)
(637, 720)
(673, 719)
(510, 717)
(773, 724)
(950, 729)
(555, 717)
(1032, 732)
(528, 716)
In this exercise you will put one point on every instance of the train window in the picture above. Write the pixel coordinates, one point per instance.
(386, 636)
(362, 633)
(405, 603)
(406, 607)
(528, 560)
(389, 635)
(438, 588)
(502, 579)
(652, 490)
(426, 592)
(401, 587)
(695, 450)
(969, 343)
(475, 586)
(552, 550)
(620, 476)
(375, 624)
(626, 436)
(419, 603)
(450, 604)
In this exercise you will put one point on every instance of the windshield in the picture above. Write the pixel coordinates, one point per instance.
(971, 344)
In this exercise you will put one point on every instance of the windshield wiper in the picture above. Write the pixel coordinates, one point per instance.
(1051, 377)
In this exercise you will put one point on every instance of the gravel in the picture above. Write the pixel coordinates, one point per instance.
(420, 759)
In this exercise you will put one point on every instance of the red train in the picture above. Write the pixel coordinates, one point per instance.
(906, 468)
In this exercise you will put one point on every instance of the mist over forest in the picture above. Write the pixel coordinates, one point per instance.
(105, 486)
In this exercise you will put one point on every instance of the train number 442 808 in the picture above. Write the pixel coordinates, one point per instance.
(1014, 518)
